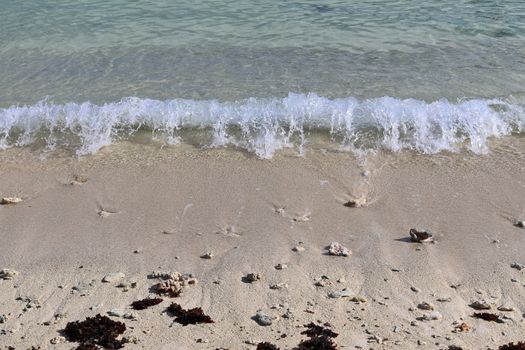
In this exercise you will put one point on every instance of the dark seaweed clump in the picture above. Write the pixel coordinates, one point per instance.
(98, 330)
(487, 317)
(321, 338)
(266, 346)
(145, 303)
(186, 317)
(511, 346)
(350, 204)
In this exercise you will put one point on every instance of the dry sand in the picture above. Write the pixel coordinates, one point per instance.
(142, 209)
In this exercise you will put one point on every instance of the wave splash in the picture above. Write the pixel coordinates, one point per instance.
(265, 125)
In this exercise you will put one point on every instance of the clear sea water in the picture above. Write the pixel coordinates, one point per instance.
(427, 75)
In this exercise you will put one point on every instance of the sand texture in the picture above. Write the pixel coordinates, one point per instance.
(221, 215)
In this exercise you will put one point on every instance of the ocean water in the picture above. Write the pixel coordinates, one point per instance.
(428, 76)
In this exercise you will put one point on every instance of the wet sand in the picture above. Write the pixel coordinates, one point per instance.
(136, 209)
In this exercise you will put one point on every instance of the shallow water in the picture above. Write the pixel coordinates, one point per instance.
(231, 51)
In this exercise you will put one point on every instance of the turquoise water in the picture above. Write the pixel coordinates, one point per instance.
(215, 54)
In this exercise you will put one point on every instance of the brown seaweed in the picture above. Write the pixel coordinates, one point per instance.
(87, 347)
(98, 330)
(487, 317)
(318, 343)
(350, 204)
(186, 317)
(145, 303)
(266, 346)
(511, 346)
(321, 338)
(317, 331)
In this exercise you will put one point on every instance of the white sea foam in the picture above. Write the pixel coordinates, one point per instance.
(265, 125)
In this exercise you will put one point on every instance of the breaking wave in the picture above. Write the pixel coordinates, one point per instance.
(265, 125)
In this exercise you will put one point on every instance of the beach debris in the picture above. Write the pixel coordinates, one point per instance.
(322, 281)
(350, 204)
(164, 275)
(425, 306)
(298, 248)
(126, 285)
(145, 303)
(444, 299)
(420, 236)
(266, 346)
(57, 340)
(186, 317)
(98, 330)
(517, 266)
(480, 305)
(171, 283)
(433, 316)
(252, 277)
(338, 249)
(302, 218)
(78, 179)
(113, 277)
(208, 255)
(358, 299)
(415, 289)
(106, 213)
(171, 288)
(511, 346)
(122, 313)
(463, 327)
(3, 318)
(281, 266)
(486, 316)
(8, 274)
(340, 294)
(519, 223)
(10, 200)
(505, 308)
(262, 319)
(279, 286)
(130, 339)
(319, 338)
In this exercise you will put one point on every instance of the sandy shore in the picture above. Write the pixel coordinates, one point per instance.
(135, 209)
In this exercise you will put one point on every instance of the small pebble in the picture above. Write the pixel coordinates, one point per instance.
(425, 306)
(262, 319)
(252, 277)
(281, 266)
(338, 249)
(208, 255)
(113, 277)
(10, 200)
(7, 274)
(480, 305)
(57, 340)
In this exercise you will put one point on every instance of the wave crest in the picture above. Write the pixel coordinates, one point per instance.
(265, 125)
